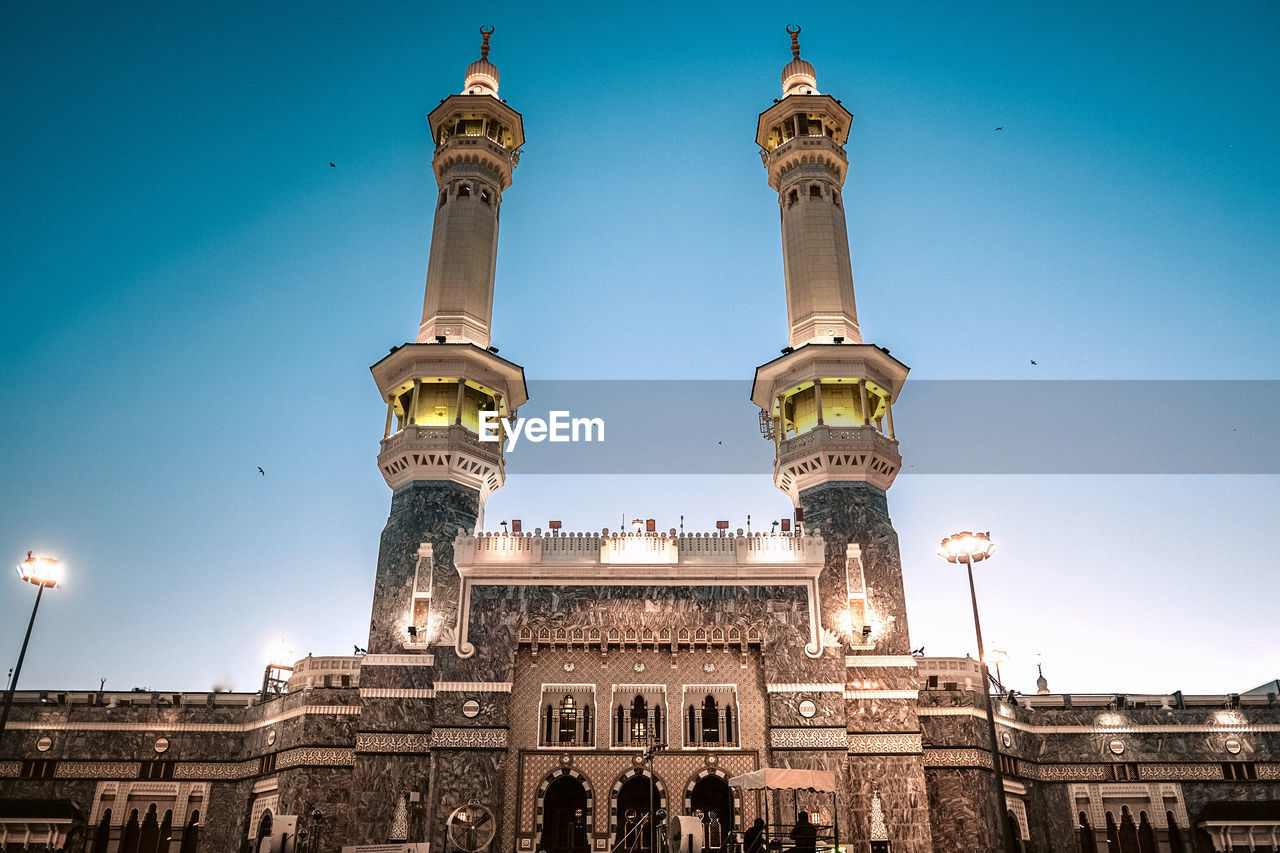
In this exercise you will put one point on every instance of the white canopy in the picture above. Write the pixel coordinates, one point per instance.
(784, 779)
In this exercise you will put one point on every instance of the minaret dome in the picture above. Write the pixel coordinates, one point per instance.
(482, 75)
(798, 77)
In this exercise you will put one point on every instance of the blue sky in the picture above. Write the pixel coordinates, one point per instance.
(192, 292)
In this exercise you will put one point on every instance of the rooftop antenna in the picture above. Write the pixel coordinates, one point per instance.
(748, 524)
(682, 525)
(793, 29)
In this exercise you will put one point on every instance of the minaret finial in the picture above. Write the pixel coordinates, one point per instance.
(485, 32)
(794, 30)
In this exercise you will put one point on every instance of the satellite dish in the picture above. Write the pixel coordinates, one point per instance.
(471, 827)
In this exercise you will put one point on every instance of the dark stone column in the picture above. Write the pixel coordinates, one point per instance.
(882, 724)
(398, 727)
(859, 513)
(423, 511)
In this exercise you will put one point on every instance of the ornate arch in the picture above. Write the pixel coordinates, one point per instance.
(660, 788)
(714, 771)
(540, 799)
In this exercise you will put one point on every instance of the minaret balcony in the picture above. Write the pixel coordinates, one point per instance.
(476, 149)
(804, 151)
(450, 452)
(827, 454)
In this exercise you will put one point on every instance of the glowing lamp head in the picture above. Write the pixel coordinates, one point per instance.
(967, 547)
(41, 571)
(997, 656)
(279, 654)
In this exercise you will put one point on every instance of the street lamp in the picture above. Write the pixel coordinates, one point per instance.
(43, 572)
(970, 548)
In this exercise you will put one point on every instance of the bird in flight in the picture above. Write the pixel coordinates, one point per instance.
(335, 165)
(260, 471)
(1033, 361)
(998, 128)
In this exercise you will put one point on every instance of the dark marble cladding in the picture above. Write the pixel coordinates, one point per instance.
(377, 783)
(859, 513)
(903, 797)
(498, 612)
(305, 789)
(961, 806)
(461, 776)
(422, 511)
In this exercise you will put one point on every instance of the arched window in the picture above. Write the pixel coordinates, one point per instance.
(191, 835)
(1014, 831)
(129, 839)
(103, 834)
(464, 191)
(619, 732)
(586, 725)
(835, 198)
(1146, 834)
(484, 196)
(792, 198)
(639, 720)
(568, 719)
(166, 831)
(1175, 834)
(1088, 844)
(548, 725)
(264, 829)
(444, 197)
(815, 191)
(728, 724)
(149, 835)
(710, 720)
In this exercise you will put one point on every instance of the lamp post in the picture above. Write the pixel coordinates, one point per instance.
(317, 827)
(970, 548)
(997, 657)
(43, 572)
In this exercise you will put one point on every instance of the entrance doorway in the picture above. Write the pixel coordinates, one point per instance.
(635, 824)
(712, 801)
(564, 817)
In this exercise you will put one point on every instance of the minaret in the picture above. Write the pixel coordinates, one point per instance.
(827, 404)
(440, 471)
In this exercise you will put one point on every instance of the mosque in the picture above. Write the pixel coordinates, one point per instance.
(593, 692)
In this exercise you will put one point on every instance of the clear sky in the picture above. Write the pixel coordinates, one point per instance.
(191, 292)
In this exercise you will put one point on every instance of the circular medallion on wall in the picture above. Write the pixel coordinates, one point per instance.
(708, 667)
(712, 760)
(808, 709)
(470, 708)
(568, 667)
(161, 744)
(637, 760)
(1233, 746)
(1006, 739)
(46, 743)
(566, 759)
(1116, 746)
(638, 667)
(271, 738)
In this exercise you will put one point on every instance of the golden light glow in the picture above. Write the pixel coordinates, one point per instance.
(997, 656)
(279, 654)
(41, 571)
(966, 547)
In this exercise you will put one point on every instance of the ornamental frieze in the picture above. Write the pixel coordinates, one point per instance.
(315, 756)
(469, 738)
(886, 743)
(956, 758)
(96, 770)
(1181, 771)
(808, 738)
(10, 769)
(392, 742)
(215, 770)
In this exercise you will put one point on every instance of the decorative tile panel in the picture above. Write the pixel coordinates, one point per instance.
(96, 770)
(316, 756)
